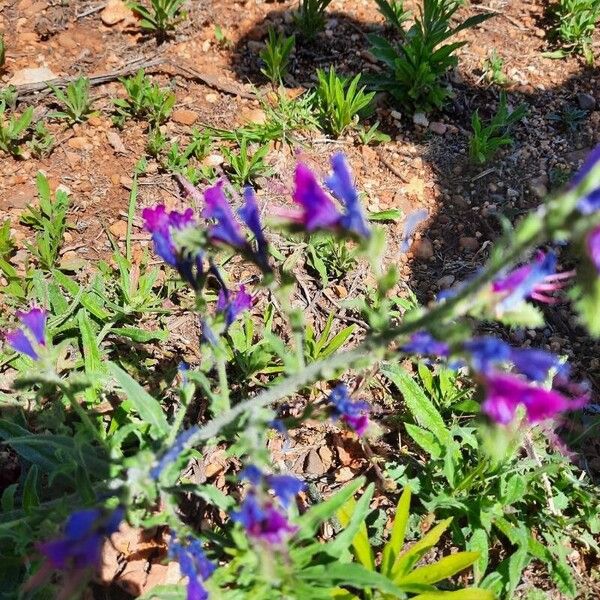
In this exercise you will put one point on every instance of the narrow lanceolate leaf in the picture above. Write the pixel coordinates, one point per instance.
(417, 402)
(145, 405)
(444, 568)
(470, 594)
(394, 546)
(354, 513)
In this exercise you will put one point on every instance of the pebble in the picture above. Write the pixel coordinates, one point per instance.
(397, 116)
(423, 249)
(32, 75)
(78, 143)
(253, 115)
(437, 127)
(185, 117)
(213, 160)
(470, 244)
(538, 186)
(586, 101)
(446, 281)
(420, 118)
(118, 229)
(212, 98)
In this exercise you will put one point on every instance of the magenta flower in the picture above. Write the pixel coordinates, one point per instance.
(319, 211)
(341, 186)
(162, 224)
(263, 521)
(354, 414)
(232, 307)
(251, 217)
(591, 202)
(504, 393)
(32, 333)
(81, 544)
(534, 280)
(226, 229)
(593, 247)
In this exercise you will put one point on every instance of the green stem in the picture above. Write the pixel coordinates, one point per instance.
(81, 413)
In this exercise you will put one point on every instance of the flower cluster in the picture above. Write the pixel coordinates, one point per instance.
(31, 336)
(505, 392)
(193, 564)
(354, 414)
(319, 210)
(81, 544)
(232, 305)
(259, 514)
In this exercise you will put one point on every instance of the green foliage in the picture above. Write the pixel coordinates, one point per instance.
(329, 257)
(276, 56)
(395, 13)
(492, 69)
(41, 142)
(49, 219)
(417, 64)
(487, 140)
(310, 18)
(372, 135)
(575, 23)
(12, 130)
(144, 100)
(8, 96)
(2, 51)
(75, 99)
(340, 101)
(245, 167)
(160, 17)
(569, 118)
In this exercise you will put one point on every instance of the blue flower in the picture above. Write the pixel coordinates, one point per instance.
(172, 454)
(355, 414)
(535, 364)
(486, 352)
(32, 334)
(252, 474)
(233, 307)
(341, 185)
(81, 544)
(285, 487)
(591, 202)
(250, 215)
(193, 564)
(226, 229)
(422, 342)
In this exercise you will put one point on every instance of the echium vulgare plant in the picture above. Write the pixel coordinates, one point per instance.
(130, 468)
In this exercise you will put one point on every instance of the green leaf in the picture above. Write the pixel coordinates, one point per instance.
(146, 406)
(425, 439)
(469, 594)
(442, 569)
(394, 546)
(30, 495)
(419, 405)
(479, 543)
(140, 335)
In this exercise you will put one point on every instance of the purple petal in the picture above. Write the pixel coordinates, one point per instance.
(35, 321)
(486, 352)
(18, 341)
(422, 342)
(217, 207)
(590, 203)
(319, 210)
(533, 363)
(341, 185)
(286, 487)
(81, 523)
(250, 214)
(252, 474)
(156, 219)
(593, 247)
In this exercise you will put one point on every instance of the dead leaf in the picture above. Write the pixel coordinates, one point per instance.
(116, 11)
(114, 139)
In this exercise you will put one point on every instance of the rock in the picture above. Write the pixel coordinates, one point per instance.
(213, 160)
(254, 115)
(71, 261)
(32, 75)
(538, 186)
(420, 118)
(459, 201)
(437, 127)
(95, 121)
(470, 244)
(118, 229)
(114, 139)
(314, 464)
(212, 98)
(397, 116)
(184, 117)
(116, 11)
(446, 281)
(78, 143)
(423, 249)
(586, 101)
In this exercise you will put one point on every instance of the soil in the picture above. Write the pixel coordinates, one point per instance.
(423, 166)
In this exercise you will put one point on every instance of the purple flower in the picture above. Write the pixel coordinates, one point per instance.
(81, 545)
(161, 224)
(250, 215)
(172, 454)
(32, 333)
(226, 229)
(263, 521)
(193, 564)
(232, 307)
(319, 211)
(533, 280)
(535, 364)
(486, 352)
(504, 393)
(422, 342)
(591, 202)
(341, 186)
(285, 487)
(252, 474)
(352, 413)
(593, 246)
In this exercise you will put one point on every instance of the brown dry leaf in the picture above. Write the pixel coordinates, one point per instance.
(114, 139)
(314, 465)
(116, 11)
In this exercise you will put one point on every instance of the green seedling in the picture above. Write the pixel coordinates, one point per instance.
(42, 141)
(310, 18)
(394, 13)
(155, 142)
(486, 140)
(372, 135)
(569, 118)
(340, 101)
(75, 100)
(492, 69)
(276, 56)
(161, 17)
(329, 257)
(245, 167)
(12, 130)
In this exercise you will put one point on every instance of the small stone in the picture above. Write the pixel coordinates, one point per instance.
(116, 11)
(256, 116)
(95, 121)
(78, 143)
(114, 139)
(586, 101)
(446, 281)
(213, 160)
(184, 117)
(118, 229)
(397, 116)
(421, 119)
(423, 249)
(71, 261)
(126, 182)
(539, 186)
(314, 464)
(470, 244)
(212, 98)
(32, 75)
(459, 201)
(437, 127)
